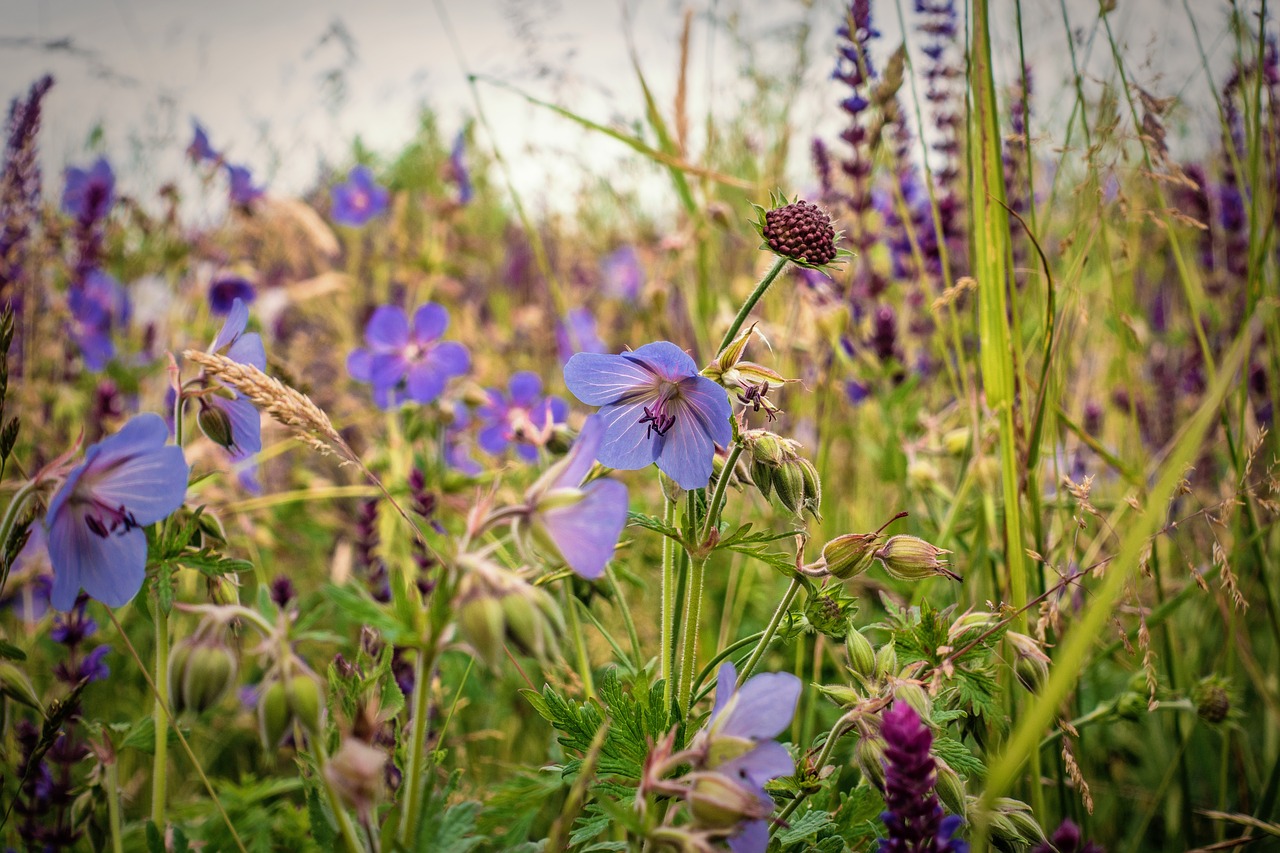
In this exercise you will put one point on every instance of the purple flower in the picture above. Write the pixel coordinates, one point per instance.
(93, 667)
(95, 520)
(524, 417)
(200, 151)
(656, 408)
(913, 817)
(359, 199)
(623, 275)
(89, 193)
(1067, 839)
(240, 186)
(458, 168)
(403, 362)
(225, 290)
(96, 305)
(578, 523)
(457, 448)
(577, 333)
(233, 422)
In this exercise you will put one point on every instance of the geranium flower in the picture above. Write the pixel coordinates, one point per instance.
(240, 186)
(577, 333)
(580, 524)
(359, 199)
(232, 421)
(200, 151)
(524, 417)
(98, 304)
(656, 408)
(226, 289)
(89, 193)
(95, 520)
(403, 362)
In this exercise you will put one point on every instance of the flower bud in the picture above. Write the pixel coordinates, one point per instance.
(718, 802)
(841, 694)
(15, 684)
(812, 488)
(1025, 824)
(956, 441)
(216, 425)
(849, 555)
(862, 656)
(224, 590)
(481, 623)
(910, 558)
(915, 696)
(1030, 664)
(208, 675)
(886, 662)
(1131, 706)
(303, 695)
(762, 476)
(869, 756)
(273, 715)
(828, 614)
(950, 788)
(357, 772)
(1213, 702)
(922, 475)
(788, 482)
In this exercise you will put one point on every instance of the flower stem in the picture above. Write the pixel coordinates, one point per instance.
(579, 644)
(666, 629)
(112, 785)
(770, 630)
(745, 310)
(834, 735)
(160, 764)
(722, 483)
(692, 614)
(410, 807)
(345, 826)
(625, 610)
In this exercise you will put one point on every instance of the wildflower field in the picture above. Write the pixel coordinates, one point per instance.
(918, 498)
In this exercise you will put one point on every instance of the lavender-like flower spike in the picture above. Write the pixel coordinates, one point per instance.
(95, 520)
(913, 817)
(656, 408)
(19, 204)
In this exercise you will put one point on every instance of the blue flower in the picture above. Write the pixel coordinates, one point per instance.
(623, 275)
(578, 523)
(458, 168)
(524, 417)
(233, 421)
(577, 333)
(656, 408)
(359, 199)
(200, 151)
(89, 193)
(96, 305)
(240, 186)
(95, 520)
(226, 289)
(403, 362)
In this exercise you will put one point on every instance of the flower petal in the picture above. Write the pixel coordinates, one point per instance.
(151, 485)
(586, 532)
(752, 837)
(578, 461)
(726, 684)
(429, 322)
(526, 388)
(387, 329)
(708, 403)
(626, 444)
(110, 569)
(425, 382)
(450, 358)
(687, 453)
(666, 359)
(360, 365)
(493, 439)
(248, 349)
(246, 424)
(598, 380)
(763, 708)
(767, 761)
(237, 319)
(386, 369)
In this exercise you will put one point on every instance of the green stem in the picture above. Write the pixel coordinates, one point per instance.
(834, 735)
(112, 784)
(410, 806)
(722, 484)
(160, 764)
(692, 614)
(666, 629)
(633, 637)
(345, 826)
(772, 628)
(751, 302)
(579, 645)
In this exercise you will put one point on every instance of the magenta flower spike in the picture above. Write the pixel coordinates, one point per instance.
(95, 520)
(655, 408)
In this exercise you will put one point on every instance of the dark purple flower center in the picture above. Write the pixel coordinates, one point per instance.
(104, 520)
(659, 416)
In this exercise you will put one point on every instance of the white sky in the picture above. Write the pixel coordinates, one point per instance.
(254, 72)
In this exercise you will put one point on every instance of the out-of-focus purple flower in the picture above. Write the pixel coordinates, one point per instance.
(19, 206)
(580, 524)
(458, 168)
(224, 290)
(95, 520)
(577, 333)
(200, 151)
(240, 186)
(359, 199)
(656, 408)
(89, 193)
(1067, 839)
(93, 667)
(97, 305)
(623, 274)
(232, 421)
(913, 816)
(457, 447)
(522, 416)
(407, 362)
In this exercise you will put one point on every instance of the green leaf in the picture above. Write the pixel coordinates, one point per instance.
(322, 828)
(9, 651)
(451, 832)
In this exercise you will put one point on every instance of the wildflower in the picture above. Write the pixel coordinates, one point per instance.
(1066, 839)
(525, 417)
(232, 422)
(240, 187)
(578, 523)
(400, 361)
(95, 520)
(800, 232)
(19, 206)
(577, 333)
(226, 289)
(458, 168)
(89, 193)
(913, 817)
(96, 305)
(359, 199)
(457, 447)
(200, 151)
(910, 558)
(656, 408)
(623, 275)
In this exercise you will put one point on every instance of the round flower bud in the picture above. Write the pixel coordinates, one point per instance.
(273, 714)
(862, 656)
(849, 555)
(1030, 664)
(216, 425)
(910, 558)
(828, 615)
(869, 756)
(762, 476)
(208, 674)
(481, 621)
(1213, 703)
(915, 696)
(303, 695)
(718, 802)
(800, 232)
(886, 662)
(1131, 706)
(812, 488)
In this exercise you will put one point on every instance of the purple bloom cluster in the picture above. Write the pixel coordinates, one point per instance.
(656, 408)
(913, 818)
(1067, 839)
(404, 362)
(359, 199)
(241, 189)
(946, 104)
(522, 417)
(95, 520)
(577, 333)
(89, 193)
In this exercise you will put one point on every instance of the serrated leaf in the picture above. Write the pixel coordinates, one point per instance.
(453, 832)
(959, 758)
(657, 525)
(322, 829)
(155, 841)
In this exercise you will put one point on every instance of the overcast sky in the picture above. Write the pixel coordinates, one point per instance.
(284, 85)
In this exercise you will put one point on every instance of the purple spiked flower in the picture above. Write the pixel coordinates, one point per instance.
(524, 417)
(656, 408)
(360, 199)
(1067, 839)
(240, 187)
(233, 422)
(578, 523)
(914, 815)
(403, 362)
(89, 193)
(226, 289)
(95, 520)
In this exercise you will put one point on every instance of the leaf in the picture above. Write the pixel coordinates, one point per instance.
(9, 651)
(958, 757)
(321, 823)
(452, 832)
(657, 525)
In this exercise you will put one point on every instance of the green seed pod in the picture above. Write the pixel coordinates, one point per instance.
(1025, 824)
(525, 625)
(1131, 706)
(950, 788)
(1004, 831)
(862, 655)
(812, 489)
(481, 622)
(910, 558)
(15, 684)
(274, 716)
(915, 696)
(849, 555)
(303, 694)
(869, 756)
(886, 662)
(224, 590)
(788, 482)
(765, 448)
(216, 425)
(841, 694)
(762, 476)
(177, 668)
(1213, 702)
(208, 675)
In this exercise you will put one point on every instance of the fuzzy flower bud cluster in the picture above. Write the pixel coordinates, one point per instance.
(777, 467)
(496, 607)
